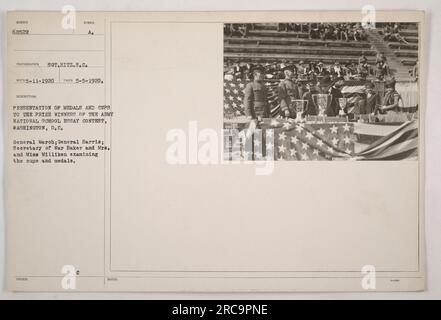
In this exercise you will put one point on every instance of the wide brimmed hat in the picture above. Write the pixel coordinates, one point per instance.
(258, 68)
(291, 67)
(390, 84)
(339, 84)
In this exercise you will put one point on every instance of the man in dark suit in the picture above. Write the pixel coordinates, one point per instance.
(371, 99)
(335, 92)
(311, 89)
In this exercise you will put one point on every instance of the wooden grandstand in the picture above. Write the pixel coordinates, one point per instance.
(265, 44)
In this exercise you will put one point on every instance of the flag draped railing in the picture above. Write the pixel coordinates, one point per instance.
(400, 144)
(282, 139)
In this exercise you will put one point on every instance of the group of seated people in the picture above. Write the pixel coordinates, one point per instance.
(312, 70)
(238, 29)
(337, 31)
(364, 101)
(323, 31)
(391, 32)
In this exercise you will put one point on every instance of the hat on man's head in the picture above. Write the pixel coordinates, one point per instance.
(291, 67)
(258, 67)
(390, 83)
(339, 84)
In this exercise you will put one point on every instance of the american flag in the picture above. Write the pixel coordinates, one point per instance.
(313, 141)
(282, 139)
(400, 144)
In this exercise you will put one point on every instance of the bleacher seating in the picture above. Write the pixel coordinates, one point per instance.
(404, 46)
(281, 39)
(265, 43)
(407, 53)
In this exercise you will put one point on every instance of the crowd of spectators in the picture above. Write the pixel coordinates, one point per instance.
(311, 70)
(391, 32)
(337, 31)
(323, 31)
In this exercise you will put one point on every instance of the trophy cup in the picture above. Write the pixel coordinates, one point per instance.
(342, 102)
(321, 101)
(299, 107)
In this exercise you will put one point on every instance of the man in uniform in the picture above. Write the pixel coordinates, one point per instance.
(256, 96)
(321, 70)
(288, 91)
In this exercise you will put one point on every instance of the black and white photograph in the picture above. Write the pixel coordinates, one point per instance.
(242, 152)
(321, 91)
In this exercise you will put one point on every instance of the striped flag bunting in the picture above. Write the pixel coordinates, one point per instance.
(400, 144)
